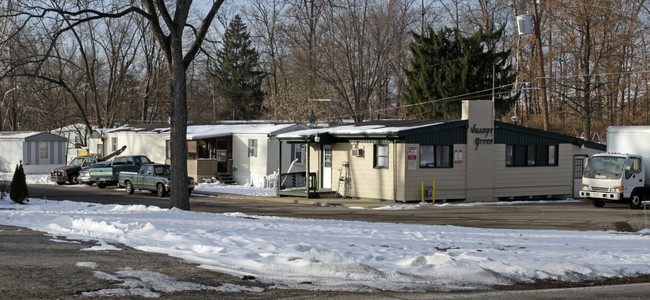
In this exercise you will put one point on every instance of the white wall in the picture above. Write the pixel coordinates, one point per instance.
(152, 145)
(11, 153)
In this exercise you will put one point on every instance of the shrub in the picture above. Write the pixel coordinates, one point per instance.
(19, 190)
(623, 227)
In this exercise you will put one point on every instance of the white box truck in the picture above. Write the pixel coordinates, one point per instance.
(622, 174)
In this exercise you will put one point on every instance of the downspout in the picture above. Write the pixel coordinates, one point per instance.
(277, 181)
(307, 167)
(394, 171)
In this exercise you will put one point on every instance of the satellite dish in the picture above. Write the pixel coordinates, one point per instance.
(514, 119)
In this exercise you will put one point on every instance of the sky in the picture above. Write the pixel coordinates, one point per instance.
(334, 254)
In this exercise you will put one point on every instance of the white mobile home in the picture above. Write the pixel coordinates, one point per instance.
(472, 159)
(246, 152)
(39, 152)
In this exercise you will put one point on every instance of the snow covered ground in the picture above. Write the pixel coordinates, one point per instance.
(343, 255)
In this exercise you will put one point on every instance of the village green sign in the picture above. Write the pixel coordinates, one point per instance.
(486, 132)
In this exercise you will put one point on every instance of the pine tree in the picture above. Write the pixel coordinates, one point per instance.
(238, 78)
(19, 190)
(447, 68)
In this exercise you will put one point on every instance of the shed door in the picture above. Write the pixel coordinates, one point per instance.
(578, 169)
(327, 166)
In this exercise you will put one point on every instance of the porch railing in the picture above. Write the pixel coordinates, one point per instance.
(296, 181)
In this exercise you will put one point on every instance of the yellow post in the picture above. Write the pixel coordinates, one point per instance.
(422, 190)
(433, 193)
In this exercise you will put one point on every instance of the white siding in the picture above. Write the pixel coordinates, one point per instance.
(450, 182)
(152, 145)
(11, 153)
(536, 181)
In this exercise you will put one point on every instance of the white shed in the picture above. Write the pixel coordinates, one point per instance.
(39, 151)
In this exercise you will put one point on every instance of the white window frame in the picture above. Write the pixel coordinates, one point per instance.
(381, 157)
(114, 144)
(44, 150)
(252, 147)
(298, 149)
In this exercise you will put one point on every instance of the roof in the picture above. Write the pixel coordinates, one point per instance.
(539, 134)
(17, 134)
(195, 132)
(383, 128)
(31, 135)
(432, 131)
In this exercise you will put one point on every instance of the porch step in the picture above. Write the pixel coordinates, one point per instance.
(226, 178)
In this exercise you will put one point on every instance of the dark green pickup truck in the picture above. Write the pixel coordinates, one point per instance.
(151, 177)
(109, 175)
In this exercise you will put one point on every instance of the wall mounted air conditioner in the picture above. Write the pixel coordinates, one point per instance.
(356, 152)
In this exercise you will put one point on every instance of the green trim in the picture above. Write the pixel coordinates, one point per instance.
(510, 134)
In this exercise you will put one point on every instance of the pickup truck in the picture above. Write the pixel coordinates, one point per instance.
(79, 167)
(109, 174)
(70, 173)
(151, 177)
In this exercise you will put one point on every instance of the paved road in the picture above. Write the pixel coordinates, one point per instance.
(34, 265)
(563, 216)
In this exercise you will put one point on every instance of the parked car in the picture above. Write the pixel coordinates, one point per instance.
(84, 174)
(71, 172)
(150, 177)
(105, 175)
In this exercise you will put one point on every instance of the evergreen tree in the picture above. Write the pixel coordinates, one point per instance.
(238, 78)
(19, 190)
(447, 68)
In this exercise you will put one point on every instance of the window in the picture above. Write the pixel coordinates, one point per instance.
(192, 150)
(552, 155)
(381, 156)
(633, 166)
(252, 147)
(43, 149)
(100, 149)
(531, 155)
(297, 152)
(435, 156)
(113, 144)
(510, 155)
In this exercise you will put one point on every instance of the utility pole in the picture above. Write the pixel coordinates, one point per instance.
(540, 64)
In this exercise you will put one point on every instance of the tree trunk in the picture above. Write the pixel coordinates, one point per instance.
(180, 197)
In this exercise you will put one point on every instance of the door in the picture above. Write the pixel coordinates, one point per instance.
(578, 169)
(223, 154)
(327, 166)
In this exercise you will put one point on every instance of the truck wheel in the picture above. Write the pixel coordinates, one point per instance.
(636, 200)
(128, 187)
(598, 203)
(101, 185)
(74, 179)
(160, 190)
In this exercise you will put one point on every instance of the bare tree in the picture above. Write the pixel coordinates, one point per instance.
(168, 22)
(363, 40)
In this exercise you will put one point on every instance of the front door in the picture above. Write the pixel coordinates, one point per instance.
(223, 154)
(578, 169)
(327, 166)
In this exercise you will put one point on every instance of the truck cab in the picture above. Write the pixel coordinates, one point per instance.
(615, 178)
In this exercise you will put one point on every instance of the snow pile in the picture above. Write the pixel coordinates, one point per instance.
(234, 189)
(344, 255)
(29, 178)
